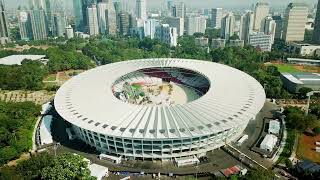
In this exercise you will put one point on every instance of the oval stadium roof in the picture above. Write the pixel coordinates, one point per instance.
(87, 101)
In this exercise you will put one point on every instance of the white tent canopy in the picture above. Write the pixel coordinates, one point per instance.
(269, 142)
(274, 127)
(98, 171)
(45, 130)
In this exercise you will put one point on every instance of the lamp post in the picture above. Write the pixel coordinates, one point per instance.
(309, 94)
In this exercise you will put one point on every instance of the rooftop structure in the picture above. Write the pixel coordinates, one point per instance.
(274, 127)
(159, 108)
(269, 142)
(295, 81)
(17, 59)
(301, 61)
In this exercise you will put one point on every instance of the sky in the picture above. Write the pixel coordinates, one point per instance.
(191, 3)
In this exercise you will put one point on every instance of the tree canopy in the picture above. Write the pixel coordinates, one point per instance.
(17, 121)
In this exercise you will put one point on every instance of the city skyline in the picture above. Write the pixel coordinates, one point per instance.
(12, 4)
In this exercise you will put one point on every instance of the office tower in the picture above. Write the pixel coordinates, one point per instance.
(295, 20)
(227, 26)
(177, 23)
(167, 34)
(141, 9)
(150, 27)
(38, 24)
(260, 12)
(246, 26)
(279, 26)
(69, 32)
(37, 4)
(216, 17)
(169, 7)
(269, 27)
(92, 20)
(107, 18)
(123, 23)
(59, 24)
(260, 41)
(179, 10)
(4, 31)
(316, 31)
(196, 24)
(80, 12)
(25, 25)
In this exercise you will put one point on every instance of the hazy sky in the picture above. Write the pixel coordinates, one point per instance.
(190, 3)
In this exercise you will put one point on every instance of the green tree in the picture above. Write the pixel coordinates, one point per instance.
(260, 174)
(66, 166)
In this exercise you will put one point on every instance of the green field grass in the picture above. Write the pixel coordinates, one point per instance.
(51, 77)
(287, 68)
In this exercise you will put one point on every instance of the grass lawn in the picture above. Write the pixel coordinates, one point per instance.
(291, 68)
(306, 148)
(51, 77)
(287, 150)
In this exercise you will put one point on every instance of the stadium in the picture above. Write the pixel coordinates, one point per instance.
(159, 109)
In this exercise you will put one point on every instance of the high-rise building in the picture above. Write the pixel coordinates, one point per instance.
(169, 7)
(316, 31)
(93, 20)
(150, 27)
(295, 20)
(80, 12)
(37, 4)
(107, 18)
(260, 41)
(141, 9)
(279, 26)
(269, 27)
(167, 34)
(69, 32)
(176, 22)
(59, 24)
(246, 26)
(179, 10)
(25, 25)
(38, 24)
(123, 23)
(4, 31)
(260, 12)
(216, 17)
(227, 26)
(196, 24)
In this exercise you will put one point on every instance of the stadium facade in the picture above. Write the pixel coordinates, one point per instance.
(109, 109)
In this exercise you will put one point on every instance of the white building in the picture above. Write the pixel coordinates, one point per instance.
(227, 26)
(269, 27)
(17, 59)
(294, 23)
(269, 142)
(107, 18)
(246, 25)
(303, 49)
(216, 17)
(218, 43)
(141, 9)
(167, 34)
(261, 41)
(178, 23)
(81, 35)
(260, 12)
(150, 27)
(236, 43)
(196, 24)
(274, 127)
(98, 171)
(166, 131)
(202, 41)
(69, 32)
(93, 20)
